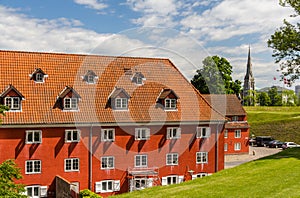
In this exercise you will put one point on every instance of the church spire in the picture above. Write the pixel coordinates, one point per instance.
(249, 84)
(249, 74)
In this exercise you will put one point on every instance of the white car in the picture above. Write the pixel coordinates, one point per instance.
(290, 145)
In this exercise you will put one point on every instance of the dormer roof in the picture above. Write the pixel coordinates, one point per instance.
(119, 92)
(10, 88)
(68, 91)
(166, 92)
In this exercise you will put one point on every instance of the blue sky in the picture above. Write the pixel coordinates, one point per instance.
(184, 31)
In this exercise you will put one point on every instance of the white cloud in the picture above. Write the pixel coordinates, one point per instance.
(93, 4)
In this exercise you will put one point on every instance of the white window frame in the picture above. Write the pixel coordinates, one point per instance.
(203, 132)
(33, 133)
(39, 77)
(235, 118)
(140, 161)
(199, 175)
(225, 147)
(71, 132)
(73, 163)
(115, 186)
(90, 79)
(35, 166)
(237, 133)
(121, 103)
(14, 103)
(172, 159)
(170, 103)
(237, 146)
(201, 157)
(106, 133)
(226, 133)
(41, 191)
(172, 179)
(70, 103)
(173, 132)
(142, 133)
(108, 162)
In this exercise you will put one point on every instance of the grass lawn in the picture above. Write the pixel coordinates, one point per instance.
(273, 176)
(282, 123)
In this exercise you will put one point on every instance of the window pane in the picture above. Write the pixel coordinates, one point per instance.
(29, 136)
(109, 185)
(75, 135)
(36, 136)
(36, 191)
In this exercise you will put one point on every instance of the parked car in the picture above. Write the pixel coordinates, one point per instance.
(275, 144)
(289, 145)
(263, 140)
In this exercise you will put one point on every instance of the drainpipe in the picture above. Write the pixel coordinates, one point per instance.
(90, 179)
(217, 148)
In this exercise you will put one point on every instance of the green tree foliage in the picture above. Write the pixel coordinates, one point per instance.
(285, 43)
(88, 194)
(263, 99)
(2, 110)
(276, 99)
(9, 172)
(215, 77)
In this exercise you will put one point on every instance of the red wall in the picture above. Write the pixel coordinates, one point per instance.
(231, 140)
(53, 150)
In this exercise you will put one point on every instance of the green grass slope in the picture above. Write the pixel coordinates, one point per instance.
(282, 123)
(273, 176)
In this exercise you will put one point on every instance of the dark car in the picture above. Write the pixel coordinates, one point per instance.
(275, 144)
(263, 140)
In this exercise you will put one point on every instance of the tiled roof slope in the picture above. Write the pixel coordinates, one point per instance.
(227, 104)
(68, 70)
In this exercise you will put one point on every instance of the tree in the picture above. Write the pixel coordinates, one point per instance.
(285, 43)
(215, 77)
(263, 99)
(88, 194)
(2, 110)
(9, 172)
(276, 99)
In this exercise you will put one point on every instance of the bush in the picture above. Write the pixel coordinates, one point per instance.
(88, 194)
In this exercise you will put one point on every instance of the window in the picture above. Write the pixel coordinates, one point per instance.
(235, 118)
(36, 191)
(142, 134)
(226, 133)
(172, 179)
(72, 136)
(139, 80)
(203, 132)
(140, 161)
(91, 79)
(172, 159)
(237, 133)
(199, 175)
(107, 162)
(33, 137)
(201, 157)
(71, 103)
(39, 77)
(225, 146)
(237, 146)
(170, 103)
(121, 103)
(141, 183)
(33, 166)
(107, 135)
(71, 164)
(173, 133)
(107, 186)
(13, 103)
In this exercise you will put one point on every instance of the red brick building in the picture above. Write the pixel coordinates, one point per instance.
(109, 124)
(237, 129)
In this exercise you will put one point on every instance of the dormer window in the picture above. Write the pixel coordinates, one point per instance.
(119, 99)
(138, 78)
(38, 76)
(67, 100)
(168, 99)
(90, 77)
(12, 98)
(70, 103)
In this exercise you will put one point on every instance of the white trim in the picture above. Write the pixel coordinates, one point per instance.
(200, 131)
(107, 163)
(202, 155)
(72, 162)
(170, 134)
(72, 134)
(33, 132)
(140, 159)
(139, 134)
(172, 159)
(33, 166)
(106, 139)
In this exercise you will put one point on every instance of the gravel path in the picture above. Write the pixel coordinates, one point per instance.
(235, 160)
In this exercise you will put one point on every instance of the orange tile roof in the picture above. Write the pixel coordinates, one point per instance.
(69, 69)
(227, 104)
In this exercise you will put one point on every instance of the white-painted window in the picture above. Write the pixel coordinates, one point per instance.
(226, 133)
(237, 133)
(172, 179)
(121, 103)
(141, 161)
(33, 166)
(13, 103)
(33, 136)
(107, 135)
(36, 191)
(170, 103)
(142, 134)
(201, 157)
(72, 135)
(107, 186)
(173, 133)
(107, 162)
(199, 175)
(203, 132)
(237, 146)
(225, 146)
(71, 164)
(172, 159)
(70, 104)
